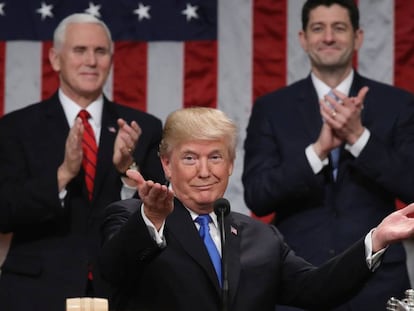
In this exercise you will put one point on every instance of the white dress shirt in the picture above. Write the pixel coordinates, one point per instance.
(71, 110)
(322, 89)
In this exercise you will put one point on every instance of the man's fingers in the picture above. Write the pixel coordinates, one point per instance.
(121, 122)
(409, 209)
(363, 92)
(136, 128)
(136, 176)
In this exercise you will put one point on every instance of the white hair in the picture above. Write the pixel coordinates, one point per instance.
(77, 18)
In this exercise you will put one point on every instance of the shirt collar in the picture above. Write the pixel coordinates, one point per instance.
(322, 88)
(212, 215)
(72, 109)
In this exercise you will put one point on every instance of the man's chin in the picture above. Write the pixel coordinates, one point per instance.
(331, 66)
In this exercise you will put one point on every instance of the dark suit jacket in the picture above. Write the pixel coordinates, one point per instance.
(317, 216)
(262, 269)
(52, 245)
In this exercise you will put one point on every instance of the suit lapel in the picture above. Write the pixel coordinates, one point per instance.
(109, 129)
(232, 248)
(356, 86)
(57, 128)
(307, 104)
(181, 226)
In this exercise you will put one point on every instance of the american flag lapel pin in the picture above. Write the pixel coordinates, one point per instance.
(111, 129)
(233, 230)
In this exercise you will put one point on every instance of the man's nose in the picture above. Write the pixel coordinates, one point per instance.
(204, 168)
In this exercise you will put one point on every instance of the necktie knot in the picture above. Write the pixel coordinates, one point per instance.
(84, 115)
(332, 94)
(203, 221)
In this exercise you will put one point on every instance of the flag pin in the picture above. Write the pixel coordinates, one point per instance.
(111, 129)
(233, 230)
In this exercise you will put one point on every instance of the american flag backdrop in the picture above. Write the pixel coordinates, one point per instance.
(175, 53)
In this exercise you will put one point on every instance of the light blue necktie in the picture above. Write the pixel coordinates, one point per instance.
(335, 152)
(335, 161)
(203, 221)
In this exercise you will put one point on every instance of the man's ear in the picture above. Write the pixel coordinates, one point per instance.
(165, 161)
(303, 41)
(54, 59)
(359, 38)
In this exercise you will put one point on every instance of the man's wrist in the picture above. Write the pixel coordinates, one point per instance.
(133, 167)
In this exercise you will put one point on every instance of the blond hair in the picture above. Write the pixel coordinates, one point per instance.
(198, 123)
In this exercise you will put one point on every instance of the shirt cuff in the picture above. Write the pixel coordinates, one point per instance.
(359, 145)
(373, 260)
(158, 236)
(127, 191)
(62, 196)
(316, 164)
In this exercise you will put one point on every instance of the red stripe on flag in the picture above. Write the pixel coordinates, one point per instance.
(50, 79)
(200, 73)
(130, 74)
(404, 38)
(355, 56)
(403, 52)
(269, 46)
(2, 75)
(269, 52)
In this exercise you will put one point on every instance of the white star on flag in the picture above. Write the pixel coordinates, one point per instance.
(190, 12)
(2, 8)
(45, 10)
(142, 11)
(93, 9)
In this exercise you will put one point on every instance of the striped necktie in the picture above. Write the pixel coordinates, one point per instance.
(90, 150)
(204, 231)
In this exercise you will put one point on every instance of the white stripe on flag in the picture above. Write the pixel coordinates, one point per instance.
(235, 80)
(108, 87)
(298, 65)
(23, 72)
(165, 78)
(376, 56)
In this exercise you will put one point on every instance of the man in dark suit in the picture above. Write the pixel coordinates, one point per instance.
(44, 200)
(324, 202)
(155, 259)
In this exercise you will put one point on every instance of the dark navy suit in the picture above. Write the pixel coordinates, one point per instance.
(320, 217)
(262, 269)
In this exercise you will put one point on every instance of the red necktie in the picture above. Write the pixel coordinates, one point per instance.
(90, 150)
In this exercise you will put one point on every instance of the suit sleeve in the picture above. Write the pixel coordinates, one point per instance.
(127, 244)
(388, 158)
(25, 197)
(322, 288)
(269, 176)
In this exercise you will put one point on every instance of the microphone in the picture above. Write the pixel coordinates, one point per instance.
(222, 209)
(222, 206)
